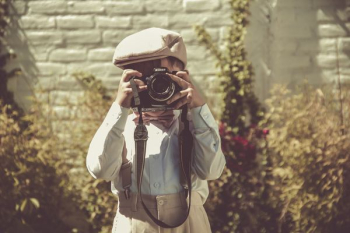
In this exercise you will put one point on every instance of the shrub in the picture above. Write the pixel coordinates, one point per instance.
(44, 183)
(309, 153)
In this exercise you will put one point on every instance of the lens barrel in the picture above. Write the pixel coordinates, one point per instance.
(160, 87)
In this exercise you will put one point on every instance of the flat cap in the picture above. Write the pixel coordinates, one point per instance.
(149, 44)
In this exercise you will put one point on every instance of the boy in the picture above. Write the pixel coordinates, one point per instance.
(112, 150)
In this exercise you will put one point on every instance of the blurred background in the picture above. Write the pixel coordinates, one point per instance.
(274, 73)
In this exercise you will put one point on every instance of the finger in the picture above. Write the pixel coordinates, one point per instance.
(181, 82)
(177, 96)
(139, 82)
(139, 85)
(181, 103)
(184, 75)
(127, 90)
(128, 73)
(189, 97)
(141, 88)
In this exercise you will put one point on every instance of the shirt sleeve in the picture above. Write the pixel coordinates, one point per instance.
(104, 157)
(208, 159)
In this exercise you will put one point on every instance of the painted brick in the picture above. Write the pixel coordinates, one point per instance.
(115, 37)
(67, 55)
(201, 5)
(332, 60)
(61, 98)
(185, 20)
(73, 21)
(296, 3)
(40, 52)
(218, 20)
(82, 37)
(102, 70)
(201, 67)
(113, 22)
(45, 84)
(61, 112)
(49, 69)
(163, 6)
(67, 83)
(47, 7)
(124, 8)
(190, 36)
(330, 15)
(317, 76)
(18, 7)
(332, 30)
(325, 45)
(112, 84)
(37, 21)
(197, 53)
(44, 37)
(344, 44)
(104, 54)
(142, 22)
(85, 7)
(99, 69)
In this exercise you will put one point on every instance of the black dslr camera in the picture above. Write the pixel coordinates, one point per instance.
(160, 88)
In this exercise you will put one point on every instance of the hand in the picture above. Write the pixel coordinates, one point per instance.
(125, 95)
(189, 95)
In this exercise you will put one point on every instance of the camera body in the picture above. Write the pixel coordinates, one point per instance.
(160, 88)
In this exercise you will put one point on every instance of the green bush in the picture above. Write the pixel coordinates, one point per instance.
(30, 187)
(309, 153)
(44, 183)
(234, 204)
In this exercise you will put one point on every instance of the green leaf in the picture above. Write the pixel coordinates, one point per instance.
(35, 202)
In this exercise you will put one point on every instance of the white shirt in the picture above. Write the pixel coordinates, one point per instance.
(161, 172)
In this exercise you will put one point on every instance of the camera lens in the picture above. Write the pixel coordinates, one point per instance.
(160, 85)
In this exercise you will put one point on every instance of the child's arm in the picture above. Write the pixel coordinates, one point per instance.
(208, 159)
(104, 157)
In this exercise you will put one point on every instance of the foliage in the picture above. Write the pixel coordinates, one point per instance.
(30, 187)
(44, 183)
(241, 107)
(310, 160)
(243, 182)
(80, 121)
(5, 56)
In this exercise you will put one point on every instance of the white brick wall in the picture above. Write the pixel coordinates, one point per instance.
(287, 40)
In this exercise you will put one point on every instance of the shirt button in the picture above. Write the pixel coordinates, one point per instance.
(156, 185)
(205, 116)
(161, 202)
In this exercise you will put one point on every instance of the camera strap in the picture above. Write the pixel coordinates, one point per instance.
(185, 146)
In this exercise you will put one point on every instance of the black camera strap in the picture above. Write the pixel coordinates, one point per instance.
(185, 146)
(185, 143)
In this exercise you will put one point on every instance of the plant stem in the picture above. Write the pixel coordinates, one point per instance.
(340, 90)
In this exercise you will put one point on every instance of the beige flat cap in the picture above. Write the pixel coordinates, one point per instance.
(149, 44)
